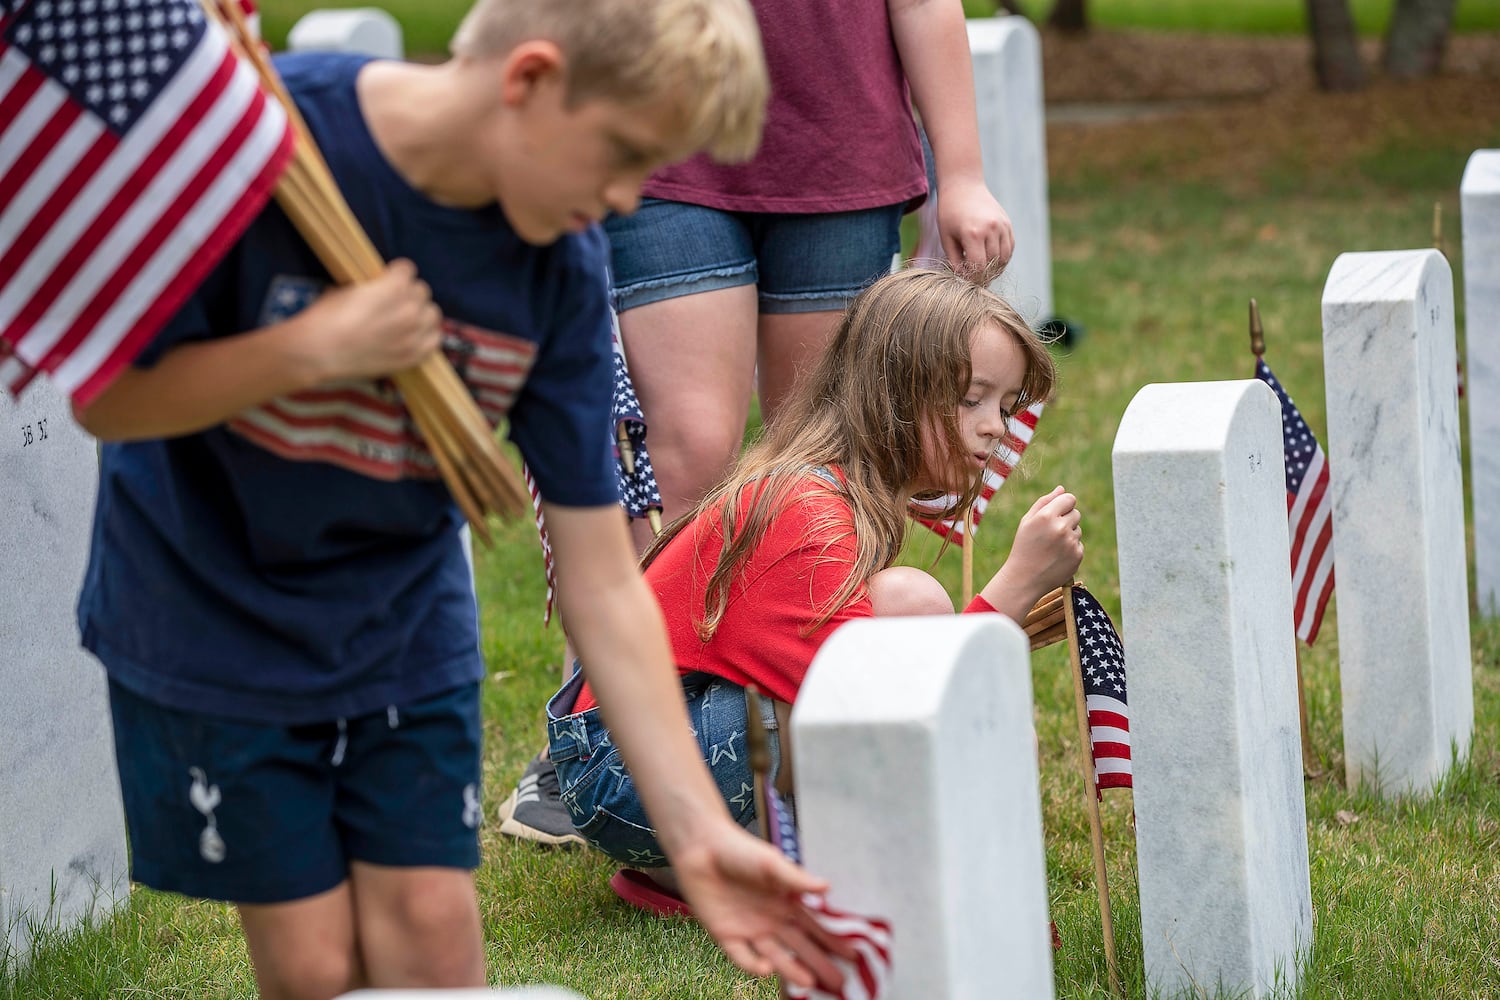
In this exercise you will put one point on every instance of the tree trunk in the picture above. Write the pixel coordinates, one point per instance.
(1335, 47)
(1418, 34)
(1069, 15)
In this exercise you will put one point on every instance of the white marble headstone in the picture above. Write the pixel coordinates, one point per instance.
(365, 30)
(62, 830)
(1007, 59)
(918, 800)
(1396, 477)
(1479, 194)
(1206, 607)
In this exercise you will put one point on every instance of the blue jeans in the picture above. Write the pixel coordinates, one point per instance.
(800, 263)
(598, 790)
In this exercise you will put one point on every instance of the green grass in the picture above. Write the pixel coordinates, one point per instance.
(1406, 896)
(1269, 17)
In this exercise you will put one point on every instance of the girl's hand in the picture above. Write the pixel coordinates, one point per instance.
(748, 896)
(1047, 552)
(974, 228)
(374, 328)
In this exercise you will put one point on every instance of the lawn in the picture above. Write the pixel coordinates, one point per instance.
(1161, 233)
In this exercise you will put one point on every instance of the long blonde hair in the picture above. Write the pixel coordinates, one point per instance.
(898, 361)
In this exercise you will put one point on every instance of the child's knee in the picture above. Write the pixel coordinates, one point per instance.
(906, 590)
(310, 973)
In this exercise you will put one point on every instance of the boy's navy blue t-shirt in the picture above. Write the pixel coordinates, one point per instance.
(301, 562)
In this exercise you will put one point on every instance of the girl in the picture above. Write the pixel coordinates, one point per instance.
(910, 399)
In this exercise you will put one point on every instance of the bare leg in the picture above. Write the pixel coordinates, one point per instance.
(418, 926)
(789, 343)
(304, 949)
(906, 590)
(692, 360)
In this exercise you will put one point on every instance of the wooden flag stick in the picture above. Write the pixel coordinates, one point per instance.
(1091, 797)
(1258, 348)
(968, 550)
(1309, 765)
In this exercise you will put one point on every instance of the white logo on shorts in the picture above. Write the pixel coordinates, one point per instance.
(472, 811)
(204, 798)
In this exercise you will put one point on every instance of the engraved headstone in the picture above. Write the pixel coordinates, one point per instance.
(1206, 603)
(918, 800)
(1479, 194)
(1396, 477)
(62, 830)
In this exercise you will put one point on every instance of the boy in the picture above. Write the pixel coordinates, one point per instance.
(276, 587)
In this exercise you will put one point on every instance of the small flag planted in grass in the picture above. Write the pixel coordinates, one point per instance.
(1101, 660)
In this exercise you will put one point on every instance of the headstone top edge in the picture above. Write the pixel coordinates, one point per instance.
(1390, 276)
(988, 33)
(883, 668)
(1202, 414)
(1481, 173)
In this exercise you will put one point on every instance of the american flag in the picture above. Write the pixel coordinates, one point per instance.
(1007, 455)
(869, 974)
(639, 493)
(134, 150)
(1101, 658)
(1309, 513)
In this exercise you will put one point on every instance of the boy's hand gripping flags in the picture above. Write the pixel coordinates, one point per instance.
(134, 150)
(1007, 455)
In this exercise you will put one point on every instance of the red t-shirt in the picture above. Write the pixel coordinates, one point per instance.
(839, 132)
(802, 561)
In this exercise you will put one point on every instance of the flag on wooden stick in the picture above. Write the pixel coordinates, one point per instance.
(1101, 661)
(134, 150)
(1309, 513)
(1005, 458)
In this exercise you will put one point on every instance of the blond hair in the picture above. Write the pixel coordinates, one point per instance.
(703, 56)
(898, 361)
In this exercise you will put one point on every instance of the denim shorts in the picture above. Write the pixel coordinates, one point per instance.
(601, 795)
(800, 263)
(253, 813)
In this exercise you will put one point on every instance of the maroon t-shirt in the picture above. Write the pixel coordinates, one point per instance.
(839, 132)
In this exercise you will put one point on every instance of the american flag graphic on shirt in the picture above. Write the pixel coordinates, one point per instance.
(362, 424)
(1309, 513)
(1101, 658)
(134, 150)
(1007, 455)
(869, 975)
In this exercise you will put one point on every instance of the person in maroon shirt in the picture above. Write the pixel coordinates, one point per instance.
(729, 278)
(910, 399)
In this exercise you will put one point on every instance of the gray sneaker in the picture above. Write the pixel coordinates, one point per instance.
(535, 811)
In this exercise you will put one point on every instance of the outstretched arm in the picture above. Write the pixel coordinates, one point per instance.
(934, 46)
(1047, 552)
(743, 890)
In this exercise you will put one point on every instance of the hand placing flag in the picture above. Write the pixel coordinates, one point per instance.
(1007, 454)
(1101, 659)
(1309, 513)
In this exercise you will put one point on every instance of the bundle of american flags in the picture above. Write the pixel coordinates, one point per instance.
(869, 974)
(134, 150)
(1005, 457)
(1101, 659)
(639, 494)
(1309, 513)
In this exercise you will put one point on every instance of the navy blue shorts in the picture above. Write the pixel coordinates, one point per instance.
(252, 813)
(799, 263)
